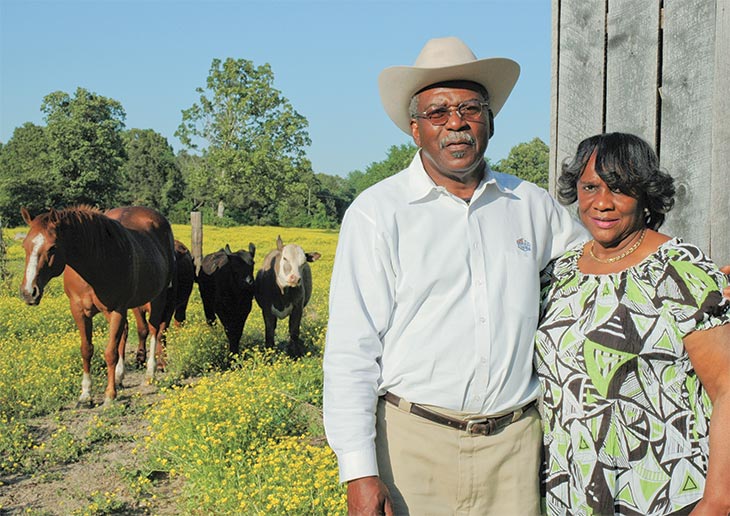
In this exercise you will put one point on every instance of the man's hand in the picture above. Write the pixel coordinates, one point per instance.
(726, 271)
(368, 496)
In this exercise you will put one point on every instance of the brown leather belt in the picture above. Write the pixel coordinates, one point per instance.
(477, 425)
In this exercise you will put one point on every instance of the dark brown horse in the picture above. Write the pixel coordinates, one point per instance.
(111, 262)
(183, 286)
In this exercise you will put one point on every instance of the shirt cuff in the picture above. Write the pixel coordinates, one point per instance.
(358, 464)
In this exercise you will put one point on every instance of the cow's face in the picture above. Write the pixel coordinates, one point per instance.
(242, 266)
(289, 266)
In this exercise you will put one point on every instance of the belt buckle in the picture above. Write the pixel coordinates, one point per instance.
(476, 421)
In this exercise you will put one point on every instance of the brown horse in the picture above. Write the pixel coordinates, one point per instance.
(111, 262)
(184, 279)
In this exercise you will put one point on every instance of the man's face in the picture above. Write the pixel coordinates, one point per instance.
(454, 150)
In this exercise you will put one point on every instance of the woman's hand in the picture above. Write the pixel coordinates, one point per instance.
(726, 271)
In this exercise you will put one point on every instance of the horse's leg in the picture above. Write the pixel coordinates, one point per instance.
(117, 324)
(81, 301)
(143, 332)
(161, 349)
(85, 326)
(119, 372)
(156, 350)
(161, 311)
(155, 320)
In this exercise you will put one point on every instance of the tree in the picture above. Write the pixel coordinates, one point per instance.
(399, 157)
(85, 143)
(301, 203)
(529, 161)
(254, 138)
(336, 193)
(197, 179)
(150, 175)
(26, 175)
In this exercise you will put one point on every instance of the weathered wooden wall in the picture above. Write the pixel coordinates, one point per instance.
(659, 69)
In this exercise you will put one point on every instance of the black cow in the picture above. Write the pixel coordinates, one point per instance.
(185, 279)
(283, 289)
(227, 287)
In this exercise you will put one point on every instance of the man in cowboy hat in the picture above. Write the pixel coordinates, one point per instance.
(429, 397)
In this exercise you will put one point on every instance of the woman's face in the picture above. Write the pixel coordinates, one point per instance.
(612, 217)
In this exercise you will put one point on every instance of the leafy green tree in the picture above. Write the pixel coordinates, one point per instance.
(85, 144)
(27, 178)
(529, 161)
(197, 178)
(150, 175)
(399, 157)
(301, 202)
(336, 193)
(254, 138)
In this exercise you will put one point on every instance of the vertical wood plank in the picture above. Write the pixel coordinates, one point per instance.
(580, 74)
(554, 83)
(632, 67)
(686, 114)
(720, 178)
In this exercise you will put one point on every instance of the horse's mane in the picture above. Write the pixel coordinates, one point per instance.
(90, 222)
(79, 214)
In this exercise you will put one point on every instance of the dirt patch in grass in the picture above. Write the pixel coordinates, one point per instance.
(91, 461)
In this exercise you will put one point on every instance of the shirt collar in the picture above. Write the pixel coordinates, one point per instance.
(422, 186)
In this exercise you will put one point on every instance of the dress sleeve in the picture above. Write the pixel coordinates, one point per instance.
(361, 301)
(692, 285)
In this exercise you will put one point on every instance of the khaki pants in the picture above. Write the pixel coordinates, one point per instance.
(431, 469)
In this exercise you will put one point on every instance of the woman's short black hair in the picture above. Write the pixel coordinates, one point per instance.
(626, 163)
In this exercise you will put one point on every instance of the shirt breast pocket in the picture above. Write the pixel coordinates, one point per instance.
(521, 285)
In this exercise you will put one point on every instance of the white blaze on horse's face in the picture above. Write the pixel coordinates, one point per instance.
(289, 272)
(31, 269)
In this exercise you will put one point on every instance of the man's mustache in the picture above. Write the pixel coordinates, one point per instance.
(456, 137)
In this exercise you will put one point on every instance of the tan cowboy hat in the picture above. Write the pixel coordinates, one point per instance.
(444, 59)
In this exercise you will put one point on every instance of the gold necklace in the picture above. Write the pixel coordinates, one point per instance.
(622, 255)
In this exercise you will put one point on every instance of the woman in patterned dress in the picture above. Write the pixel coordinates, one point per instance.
(633, 350)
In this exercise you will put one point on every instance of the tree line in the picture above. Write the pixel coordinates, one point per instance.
(243, 162)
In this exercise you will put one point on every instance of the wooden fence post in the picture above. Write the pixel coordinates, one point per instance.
(196, 223)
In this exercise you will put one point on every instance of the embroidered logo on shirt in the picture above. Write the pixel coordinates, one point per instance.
(524, 245)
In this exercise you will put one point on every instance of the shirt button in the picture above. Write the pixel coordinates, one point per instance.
(483, 360)
(482, 320)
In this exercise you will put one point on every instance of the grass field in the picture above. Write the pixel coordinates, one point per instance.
(242, 440)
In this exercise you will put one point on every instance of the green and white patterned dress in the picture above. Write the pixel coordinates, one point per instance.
(626, 420)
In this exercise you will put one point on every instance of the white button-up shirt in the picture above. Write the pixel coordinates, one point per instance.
(435, 300)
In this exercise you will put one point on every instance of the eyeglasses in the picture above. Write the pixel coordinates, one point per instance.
(471, 110)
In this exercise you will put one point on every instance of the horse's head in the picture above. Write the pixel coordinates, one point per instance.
(43, 257)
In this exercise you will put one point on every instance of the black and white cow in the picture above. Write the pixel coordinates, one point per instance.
(283, 289)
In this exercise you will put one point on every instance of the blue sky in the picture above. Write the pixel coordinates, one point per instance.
(325, 54)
